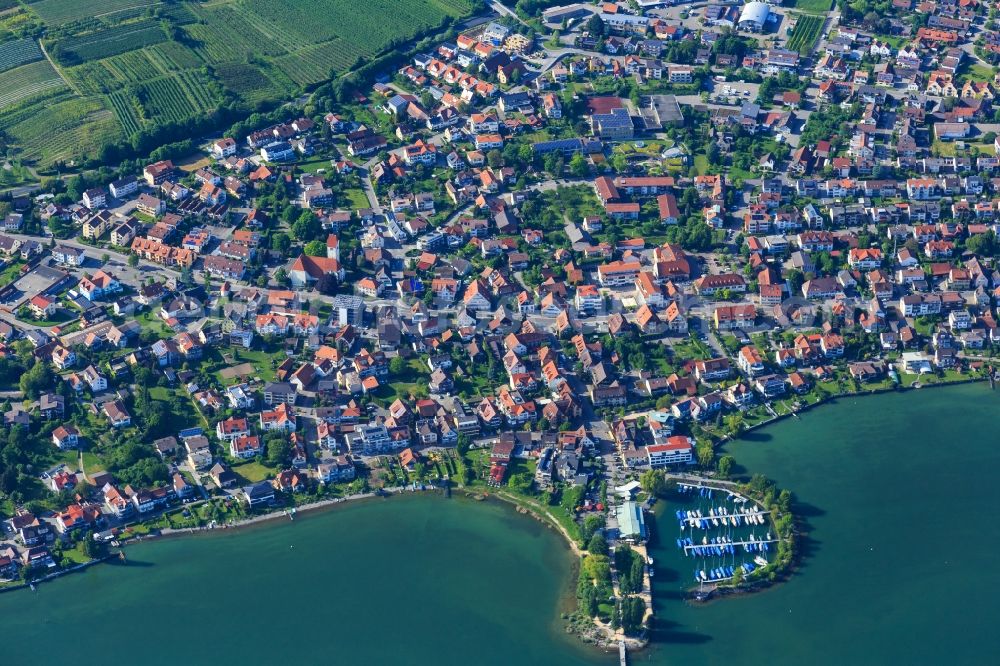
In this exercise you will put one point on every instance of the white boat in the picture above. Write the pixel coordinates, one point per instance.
(760, 561)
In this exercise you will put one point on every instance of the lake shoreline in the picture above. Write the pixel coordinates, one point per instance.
(329, 504)
(853, 394)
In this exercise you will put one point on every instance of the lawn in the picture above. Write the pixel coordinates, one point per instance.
(412, 381)
(253, 471)
(150, 320)
(264, 361)
(185, 416)
(701, 164)
(91, 462)
(950, 148)
(312, 166)
(691, 348)
(814, 6)
(10, 273)
(357, 199)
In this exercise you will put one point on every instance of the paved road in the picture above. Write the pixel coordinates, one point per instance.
(504, 11)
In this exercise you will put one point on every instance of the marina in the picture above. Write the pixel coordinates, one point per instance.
(717, 530)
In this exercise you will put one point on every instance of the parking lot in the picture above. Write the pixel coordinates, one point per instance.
(733, 92)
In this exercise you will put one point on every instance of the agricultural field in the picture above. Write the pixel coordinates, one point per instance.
(18, 52)
(813, 6)
(129, 66)
(370, 31)
(111, 41)
(56, 13)
(63, 130)
(28, 81)
(806, 33)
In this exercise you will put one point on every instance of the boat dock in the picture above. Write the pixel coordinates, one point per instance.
(622, 654)
(708, 546)
(720, 516)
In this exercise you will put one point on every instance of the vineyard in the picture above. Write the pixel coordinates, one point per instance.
(135, 65)
(165, 99)
(173, 56)
(313, 64)
(112, 41)
(59, 12)
(18, 52)
(227, 37)
(247, 81)
(806, 33)
(28, 81)
(130, 67)
(370, 31)
(62, 131)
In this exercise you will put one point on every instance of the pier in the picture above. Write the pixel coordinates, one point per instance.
(728, 543)
(622, 654)
(719, 516)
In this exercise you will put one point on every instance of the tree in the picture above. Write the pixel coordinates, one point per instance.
(92, 548)
(619, 162)
(726, 465)
(521, 483)
(462, 444)
(307, 227)
(734, 424)
(327, 284)
(983, 245)
(397, 365)
(36, 380)
(133, 260)
(597, 545)
(591, 525)
(578, 165)
(595, 26)
(281, 243)
(706, 453)
(785, 501)
(315, 248)
(654, 482)
(279, 450)
(795, 281)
